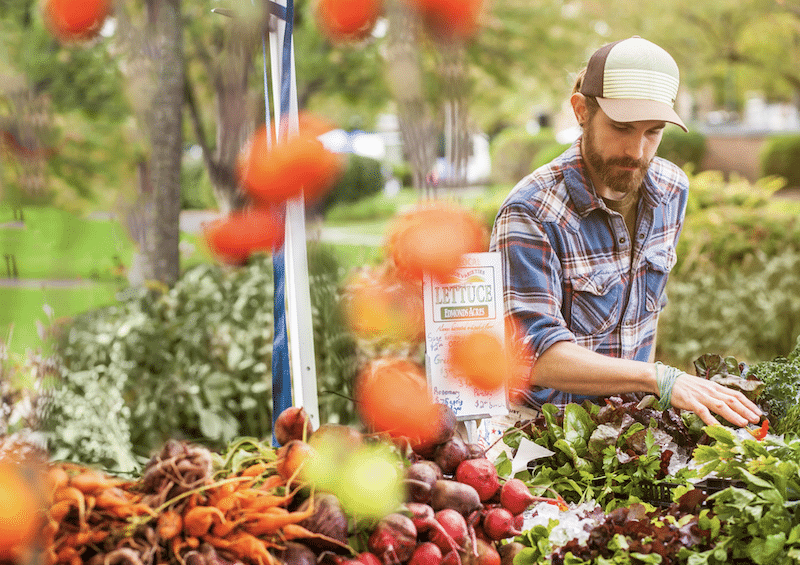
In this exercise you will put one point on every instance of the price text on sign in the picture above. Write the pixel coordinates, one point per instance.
(470, 300)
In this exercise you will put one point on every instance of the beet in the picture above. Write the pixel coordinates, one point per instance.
(420, 479)
(394, 538)
(450, 454)
(443, 429)
(508, 551)
(480, 474)
(515, 496)
(298, 553)
(328, 519)
(454, 527)
(427, 553)
(475, 451)
(498, 524)
(458, 496)
(293, 423)
(487, 554)
(425, 520)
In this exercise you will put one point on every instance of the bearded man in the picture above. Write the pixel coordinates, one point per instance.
(588, 242)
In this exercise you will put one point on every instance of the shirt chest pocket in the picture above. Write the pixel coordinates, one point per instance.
(593, 302)
(658, 266)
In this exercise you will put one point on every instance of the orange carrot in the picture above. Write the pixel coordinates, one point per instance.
(91, 482)
(170, 524)
(270, 522)
(254, 470)
(199, 519)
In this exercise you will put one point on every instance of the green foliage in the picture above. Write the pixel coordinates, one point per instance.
(202, 350)
(196, 190)
(781, 377)
(729, 221)
(780, 156)
(760, 517)
(751, 313)
(361, 178)
(683, 148)
(548, 153)
(375, 207)
(513, 150)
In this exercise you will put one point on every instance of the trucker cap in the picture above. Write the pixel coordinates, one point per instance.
(633, 80)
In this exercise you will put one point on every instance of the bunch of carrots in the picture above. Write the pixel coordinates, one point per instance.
(93, 518)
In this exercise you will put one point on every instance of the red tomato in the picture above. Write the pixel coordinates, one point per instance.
(76, 20)
(301, 164)
(377, 303)
(235, 238)
(348, 20)
(450, 19)
(433, 238)
(392, 397)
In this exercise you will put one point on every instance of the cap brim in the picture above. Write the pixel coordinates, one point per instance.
(634, 110)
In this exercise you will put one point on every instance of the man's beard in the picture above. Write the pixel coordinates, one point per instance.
(618, 180)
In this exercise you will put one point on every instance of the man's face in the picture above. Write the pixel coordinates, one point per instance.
(619, 153)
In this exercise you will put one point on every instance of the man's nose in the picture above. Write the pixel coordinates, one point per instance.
(634, 148)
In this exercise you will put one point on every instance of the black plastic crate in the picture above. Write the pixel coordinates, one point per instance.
(660, 494)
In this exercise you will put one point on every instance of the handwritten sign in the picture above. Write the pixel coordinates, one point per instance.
(470, 300)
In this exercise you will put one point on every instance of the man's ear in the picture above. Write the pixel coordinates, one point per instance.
(578, 102)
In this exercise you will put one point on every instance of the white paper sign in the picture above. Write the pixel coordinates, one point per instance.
(472, 299)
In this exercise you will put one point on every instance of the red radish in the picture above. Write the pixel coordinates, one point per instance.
(451, 558)
(394, 538)
(487, 554)
(515, 496)
(454, 524)
(450, 454)
(425, 520)
(293, 423)
(480, 474)
(427, 553)
(455, 495)
(368, 559)
(498, 524)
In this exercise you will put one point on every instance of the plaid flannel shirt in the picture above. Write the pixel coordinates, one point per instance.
(569, 270)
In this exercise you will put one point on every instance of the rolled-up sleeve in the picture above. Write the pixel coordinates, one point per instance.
(532, 277)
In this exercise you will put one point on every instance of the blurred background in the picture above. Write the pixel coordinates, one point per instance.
(118, 148)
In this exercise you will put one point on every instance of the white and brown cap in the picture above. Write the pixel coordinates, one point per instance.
(633, 80)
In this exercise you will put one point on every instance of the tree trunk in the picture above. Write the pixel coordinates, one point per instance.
(162, 229)
(406, 81)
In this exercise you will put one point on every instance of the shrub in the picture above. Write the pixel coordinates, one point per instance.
(362, 177)
(683, 148)
(512, 151)
(192, 363)
(548, 153)
(780, 156)
(727, 222)
(196, 191)
(751, 313)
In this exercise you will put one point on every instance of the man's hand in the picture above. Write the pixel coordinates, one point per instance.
(703, 397)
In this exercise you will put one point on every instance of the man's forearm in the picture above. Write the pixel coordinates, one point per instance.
(572, 368)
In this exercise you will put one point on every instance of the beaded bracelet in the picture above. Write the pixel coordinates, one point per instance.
(665, 379)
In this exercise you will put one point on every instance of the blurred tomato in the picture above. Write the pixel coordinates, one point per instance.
(481, 359)
(20, 513)
(347, 20)
(433, 238)
(76, 20)
(235, 238)
(450, 19)
(284, 170)
(392, 397)
(313, 125)
(378, 303)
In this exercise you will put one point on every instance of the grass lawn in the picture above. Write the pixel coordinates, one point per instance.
(18, 323)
